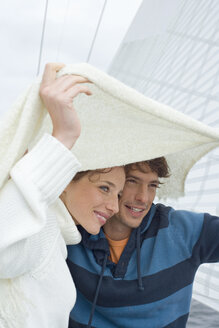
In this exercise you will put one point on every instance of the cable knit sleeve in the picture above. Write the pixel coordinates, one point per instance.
(36, 182)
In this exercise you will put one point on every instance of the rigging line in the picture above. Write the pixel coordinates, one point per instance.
(42, 37)
(95, 34)
(62, 30)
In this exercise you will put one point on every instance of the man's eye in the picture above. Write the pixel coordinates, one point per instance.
(154, 186)
(104, 188)
(131, 181)
(119, 196)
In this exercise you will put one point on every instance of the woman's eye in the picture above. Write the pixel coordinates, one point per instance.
(104, 188)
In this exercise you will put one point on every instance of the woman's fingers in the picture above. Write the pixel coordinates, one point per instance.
(65, 82)
(68, 86)
(76, 89)
(50, 71)
(50, 85)
(58, 95)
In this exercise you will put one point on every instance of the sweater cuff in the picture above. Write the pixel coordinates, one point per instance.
(50, 166)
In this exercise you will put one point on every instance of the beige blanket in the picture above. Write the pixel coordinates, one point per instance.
(119, 126)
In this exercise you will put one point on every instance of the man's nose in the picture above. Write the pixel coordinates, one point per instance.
(142, 195)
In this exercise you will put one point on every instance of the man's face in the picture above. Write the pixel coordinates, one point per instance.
(137, 197)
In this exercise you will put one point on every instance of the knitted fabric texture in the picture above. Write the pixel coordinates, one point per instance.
(119, 126)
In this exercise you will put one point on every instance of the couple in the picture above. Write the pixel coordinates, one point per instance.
(136, 271)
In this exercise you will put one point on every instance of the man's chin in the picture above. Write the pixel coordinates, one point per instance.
(133, 222)
(128, 220)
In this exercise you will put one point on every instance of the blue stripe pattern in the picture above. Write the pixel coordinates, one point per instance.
(151, 315)
(173, 245)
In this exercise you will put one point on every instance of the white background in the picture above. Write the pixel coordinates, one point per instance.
(69, 32)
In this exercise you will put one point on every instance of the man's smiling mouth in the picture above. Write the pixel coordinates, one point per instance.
(135, 209)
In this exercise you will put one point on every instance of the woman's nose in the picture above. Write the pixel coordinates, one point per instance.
(113, 205)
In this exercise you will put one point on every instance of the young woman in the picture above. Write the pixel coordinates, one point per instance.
(36, 288)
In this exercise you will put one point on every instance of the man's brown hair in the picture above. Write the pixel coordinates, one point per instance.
(158, 165)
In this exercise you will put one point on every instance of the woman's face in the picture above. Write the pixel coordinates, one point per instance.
(92, 200)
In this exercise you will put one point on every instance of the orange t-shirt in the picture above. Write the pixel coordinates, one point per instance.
(116, 248)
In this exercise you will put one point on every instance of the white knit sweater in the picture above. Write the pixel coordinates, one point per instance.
(36, 288)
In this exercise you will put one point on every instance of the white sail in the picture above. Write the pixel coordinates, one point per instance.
(171, 54)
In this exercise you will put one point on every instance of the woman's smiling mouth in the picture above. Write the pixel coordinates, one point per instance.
(102, 217)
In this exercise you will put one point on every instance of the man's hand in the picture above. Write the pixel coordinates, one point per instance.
(57, 96)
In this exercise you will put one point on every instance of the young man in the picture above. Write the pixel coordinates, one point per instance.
(139, 271)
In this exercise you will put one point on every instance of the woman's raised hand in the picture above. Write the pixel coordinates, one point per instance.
(57, 96)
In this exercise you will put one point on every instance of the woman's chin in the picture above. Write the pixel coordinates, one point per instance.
(92, 230)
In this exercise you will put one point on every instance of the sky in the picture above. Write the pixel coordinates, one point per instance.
(69, 31)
